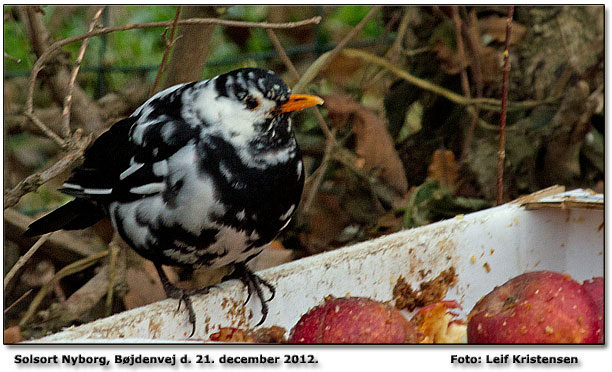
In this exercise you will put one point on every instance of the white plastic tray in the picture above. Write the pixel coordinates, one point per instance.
(485, 248)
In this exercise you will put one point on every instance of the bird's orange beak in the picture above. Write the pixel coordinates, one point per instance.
(299, 102)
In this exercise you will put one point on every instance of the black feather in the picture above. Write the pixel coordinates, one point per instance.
(74, 215)
(106, 158)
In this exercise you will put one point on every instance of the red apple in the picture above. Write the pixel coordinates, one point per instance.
(595, 288)
(535, 307)
(353, 320)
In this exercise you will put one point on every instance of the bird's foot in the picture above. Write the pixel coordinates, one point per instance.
(183, 295)
(254, 284)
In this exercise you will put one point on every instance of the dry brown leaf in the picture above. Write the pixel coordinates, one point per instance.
(144, 285)
(326, 222)
(206, 277)
(490, 64)
(444, 168)
(448, 58)
(276, 244)
(341, 69)
(451, 64)
(372, 140)
(495, 26)
(12, 335)
(270, 257)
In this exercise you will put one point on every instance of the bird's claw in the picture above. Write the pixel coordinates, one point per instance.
(253, 283)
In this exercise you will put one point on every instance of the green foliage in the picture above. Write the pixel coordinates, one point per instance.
(351, 15)
(140, 46)
(16, 44)
(431, 202)
(248, 13)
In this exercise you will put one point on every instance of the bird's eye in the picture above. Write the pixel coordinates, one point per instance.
(251, 103)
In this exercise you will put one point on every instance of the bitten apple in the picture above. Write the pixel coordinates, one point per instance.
(535, 307)
(353, 320)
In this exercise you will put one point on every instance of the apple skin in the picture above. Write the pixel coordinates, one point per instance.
(353, 320)
(595, 288)
(535, 307)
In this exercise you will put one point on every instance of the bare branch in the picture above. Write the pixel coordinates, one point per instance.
(169, 44)
(465, 84)
(283, 55)
(25, 258)
(323, 61)
(48, 132)
(8, 56)
(34, 181)
(77, 65)
(501, 155)
(70, 269)
(53, 48)
(491, 104)
(17, 301)
(316, 178)
(114, 252)
(63, 246)
(84, 110)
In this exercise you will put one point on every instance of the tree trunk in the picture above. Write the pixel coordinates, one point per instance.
(191, 48)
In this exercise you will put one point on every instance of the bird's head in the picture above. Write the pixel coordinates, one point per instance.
(253, 105)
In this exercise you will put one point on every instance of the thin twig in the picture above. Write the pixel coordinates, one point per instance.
(8, 56)
(23, 259)
(34, 181)
(472, 35)
(169, 44)
(491, 104)
(315, 179)
(318, 178)
(45, 129)
(324, 60)
(112, 269)
(393, 54)
(18, 301)
(501, 155)
(70, 269)
(283, 55)
(75, 71)
(84, 110)
(465, 84)
(53, 48)
(291, 67)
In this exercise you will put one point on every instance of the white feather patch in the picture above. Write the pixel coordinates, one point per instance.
(150, 188)
(72, 186)
(97, 191)
(133, 168)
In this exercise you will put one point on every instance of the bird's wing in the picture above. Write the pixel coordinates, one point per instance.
(127, 162)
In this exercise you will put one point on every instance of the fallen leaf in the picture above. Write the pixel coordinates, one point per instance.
(325, 222)
(276, 244)
(341, 69)
(144, 285)
(372, 140)
(444, 168)
(270, 257)
(448, 58)
(490, 59)
(206, 277)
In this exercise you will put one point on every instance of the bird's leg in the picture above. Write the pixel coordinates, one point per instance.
(254, 284)
(183, 295)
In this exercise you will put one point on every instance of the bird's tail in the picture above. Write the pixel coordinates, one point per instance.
(76, 214)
